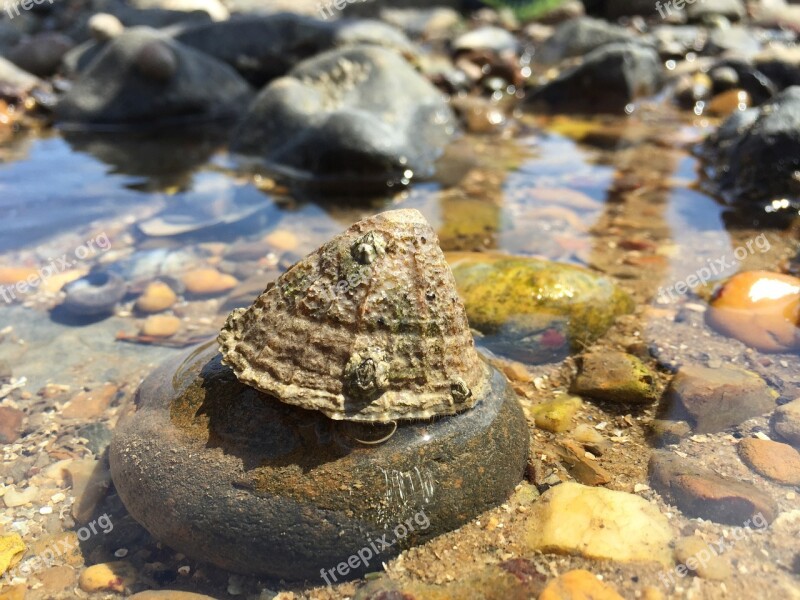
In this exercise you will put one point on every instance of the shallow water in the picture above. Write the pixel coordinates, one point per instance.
(617, 195)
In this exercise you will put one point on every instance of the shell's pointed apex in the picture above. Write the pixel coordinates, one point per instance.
(369, 327)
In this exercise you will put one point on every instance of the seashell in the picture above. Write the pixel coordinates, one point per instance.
(369, 327)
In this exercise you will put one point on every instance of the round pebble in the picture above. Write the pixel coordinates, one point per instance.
(161, 326)
(157, 297)
(111, 577)
(104, 27)
(206, 282)
(697, 556)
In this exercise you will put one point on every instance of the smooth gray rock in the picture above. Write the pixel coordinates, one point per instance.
(579, 37)
(609, 79)
(359, 114)
(226, 474)
(702, 9)
(144, 77)
(755, 155)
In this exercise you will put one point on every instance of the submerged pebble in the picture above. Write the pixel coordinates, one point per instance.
(96, 294)
(760, 308)
(208, 282)
(161, 326)
(157, 297)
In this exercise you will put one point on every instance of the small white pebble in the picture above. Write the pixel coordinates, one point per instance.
(184, 570)
(46, 510)
(59, 497)
(762, 436)
(791, 495)
(121, 553)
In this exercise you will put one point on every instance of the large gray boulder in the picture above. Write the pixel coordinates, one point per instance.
(755, 155)
(145, 77)
(579, 37)
(262, 48)
(360, 113)
(609, 79)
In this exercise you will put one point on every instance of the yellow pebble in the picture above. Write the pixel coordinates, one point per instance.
(157, 297)
(205, 282)
(162, 326)
(112, 576)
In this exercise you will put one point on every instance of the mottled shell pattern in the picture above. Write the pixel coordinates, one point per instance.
(367, 328)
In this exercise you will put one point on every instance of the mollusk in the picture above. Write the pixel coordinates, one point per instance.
(369, 327)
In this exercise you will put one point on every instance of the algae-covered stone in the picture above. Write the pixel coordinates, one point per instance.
(599, 523)
(535, 310)
(616, 377)
(556, 415)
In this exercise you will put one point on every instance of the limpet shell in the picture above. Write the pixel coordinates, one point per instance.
(367, 328)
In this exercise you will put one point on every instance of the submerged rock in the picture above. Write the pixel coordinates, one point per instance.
(608, 80)
(715, 399)
(534, 310)
(786, 422)
(755, 154)
(229, 474)
(360, 114)
(759, 308)
(615, 377)
(143, 77)
(96, 294)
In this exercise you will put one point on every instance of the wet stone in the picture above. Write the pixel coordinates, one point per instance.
(98, 437)
(776, 461)
(10, 424)
(267, 476)
(615, 377)
(579, 584)
(112, 576)
(690, 550)
(786, 422)
(700, 493)
(713, 400)
(598, 523)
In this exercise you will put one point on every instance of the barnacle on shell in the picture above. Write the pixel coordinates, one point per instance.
(356, 331)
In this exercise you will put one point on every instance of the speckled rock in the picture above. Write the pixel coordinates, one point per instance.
(534, 310)
(144, 77)
(776, 461)
(360, 113)
(599, 523)
(226, 474)
(699, 493)
(715, 399)
(786, 422)
(577, 585)
(615, 376)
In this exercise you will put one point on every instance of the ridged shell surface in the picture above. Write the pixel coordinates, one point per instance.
(367, 328)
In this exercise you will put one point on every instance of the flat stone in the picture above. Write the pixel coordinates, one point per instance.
(90, 480)
(57, 579)
(615, 376)
(556, 415)
(577, 584)
(700, 493)
(600, 524)
(786, 422)
(10, 424)
(583, 469)
(228, 475)
(90, 404)
(699, 557)
(776, 461)
(713, 400)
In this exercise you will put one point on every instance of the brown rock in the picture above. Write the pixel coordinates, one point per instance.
(615, 377)
(16, 592)
(713, 400)
(776, 461)
(157, 297)
(207, 282)
(728, 102)
(699, 557)
(579, 585)
(162, 326)
(699, 493)
(583, 469)
(91, 404)
(10, 424)
(57, 579)
(786, 422)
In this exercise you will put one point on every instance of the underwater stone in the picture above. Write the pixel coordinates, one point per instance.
(229, 475)
(96, 294)
(534, 310)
